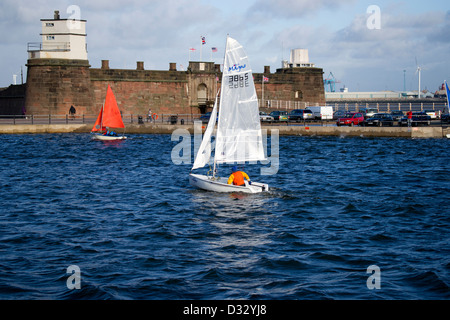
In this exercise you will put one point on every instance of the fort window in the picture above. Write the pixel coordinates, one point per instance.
(202, 94)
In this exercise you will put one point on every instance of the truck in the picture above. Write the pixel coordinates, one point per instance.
(322, 112)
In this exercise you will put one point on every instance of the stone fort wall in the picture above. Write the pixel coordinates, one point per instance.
(54, 85)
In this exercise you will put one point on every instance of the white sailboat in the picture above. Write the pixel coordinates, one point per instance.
(238, 138)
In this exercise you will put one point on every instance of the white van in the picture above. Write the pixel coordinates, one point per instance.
(322, 112)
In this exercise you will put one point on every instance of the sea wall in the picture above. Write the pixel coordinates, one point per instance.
(367, 132)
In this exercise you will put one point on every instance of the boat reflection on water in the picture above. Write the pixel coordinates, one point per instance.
(238, 195)
(110, 143)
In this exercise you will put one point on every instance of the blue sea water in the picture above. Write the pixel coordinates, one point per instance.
(128, 218)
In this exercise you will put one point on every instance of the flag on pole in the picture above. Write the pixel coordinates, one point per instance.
(191, 50)
(214, 49)
(203, 40)
(265, 79)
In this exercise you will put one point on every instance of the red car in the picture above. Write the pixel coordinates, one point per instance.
(350, 119)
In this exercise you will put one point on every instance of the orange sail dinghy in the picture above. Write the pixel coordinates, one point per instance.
(108, 118)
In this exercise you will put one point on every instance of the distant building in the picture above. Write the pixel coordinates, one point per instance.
(345, 94)
(61, 39)
(299, 59)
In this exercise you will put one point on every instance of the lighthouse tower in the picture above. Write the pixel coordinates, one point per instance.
(58, 74)
(61, 39)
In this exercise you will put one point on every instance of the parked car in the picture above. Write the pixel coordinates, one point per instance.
(205, 117)
(418, 118)
(339, 114)
(445, 118)
(434, 114)
(279, 116)
(300, 115)
(264, 117)
(368, 112)
(380, 119)
(350, 119)
(397, 115)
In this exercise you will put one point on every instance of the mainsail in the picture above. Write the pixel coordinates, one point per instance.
(204, 152)
(239, 136)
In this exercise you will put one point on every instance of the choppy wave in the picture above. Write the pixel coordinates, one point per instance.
(125, 214)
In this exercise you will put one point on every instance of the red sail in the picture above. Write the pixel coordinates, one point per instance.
(98, 123)
(110, 115)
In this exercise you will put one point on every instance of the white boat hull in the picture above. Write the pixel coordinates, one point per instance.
(220, 185)
(107, 138)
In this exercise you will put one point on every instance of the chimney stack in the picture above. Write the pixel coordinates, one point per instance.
(56, 16)
(105, 64)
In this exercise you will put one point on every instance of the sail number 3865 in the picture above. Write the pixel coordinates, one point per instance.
(238, 81)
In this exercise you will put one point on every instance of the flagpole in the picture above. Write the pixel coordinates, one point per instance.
(262, 97)
(201, 47)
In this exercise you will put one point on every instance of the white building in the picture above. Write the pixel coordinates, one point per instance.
(61, 39)
(299, 59)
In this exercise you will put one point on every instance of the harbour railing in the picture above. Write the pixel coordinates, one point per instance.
(353, 106)
(267, 106)
(91, 118)
(389, 107)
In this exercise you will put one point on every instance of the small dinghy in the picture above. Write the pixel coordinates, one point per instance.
(238, 138)
(108, 118)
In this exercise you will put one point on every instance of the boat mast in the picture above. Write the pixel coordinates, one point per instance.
(101, 121)
(220, 104)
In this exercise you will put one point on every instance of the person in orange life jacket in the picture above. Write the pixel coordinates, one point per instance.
(237, 177)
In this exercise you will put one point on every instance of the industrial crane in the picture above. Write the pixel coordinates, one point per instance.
(330, 81)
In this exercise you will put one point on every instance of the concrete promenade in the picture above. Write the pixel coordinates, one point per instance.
(295, 130)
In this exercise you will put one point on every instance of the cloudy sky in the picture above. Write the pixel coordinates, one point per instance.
(365, 51)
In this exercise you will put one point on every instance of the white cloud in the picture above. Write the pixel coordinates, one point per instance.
(294, 8)
(161, 31)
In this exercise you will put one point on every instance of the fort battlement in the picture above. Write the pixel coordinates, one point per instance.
(54, 85)
(60, 76)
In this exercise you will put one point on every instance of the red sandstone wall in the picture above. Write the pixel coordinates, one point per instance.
(135, 98)
(283, 85)
(54, 85)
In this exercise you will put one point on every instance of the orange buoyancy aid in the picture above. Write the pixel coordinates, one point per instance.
(238, 178)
